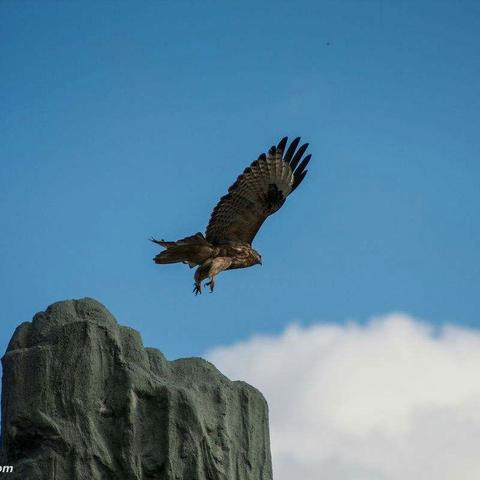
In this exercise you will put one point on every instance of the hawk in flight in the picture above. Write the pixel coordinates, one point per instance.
(257, 193)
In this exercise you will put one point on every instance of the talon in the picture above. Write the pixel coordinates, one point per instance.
(197, 288)
(211, 283)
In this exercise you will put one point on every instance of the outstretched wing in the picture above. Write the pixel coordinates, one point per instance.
(258, 192)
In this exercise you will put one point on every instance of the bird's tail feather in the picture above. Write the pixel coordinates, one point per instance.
(192, 250)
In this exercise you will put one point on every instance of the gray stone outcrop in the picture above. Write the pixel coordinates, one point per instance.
(82, 399)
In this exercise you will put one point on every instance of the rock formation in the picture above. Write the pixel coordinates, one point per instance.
(83, 399)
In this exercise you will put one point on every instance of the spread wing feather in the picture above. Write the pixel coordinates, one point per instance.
(257, 193)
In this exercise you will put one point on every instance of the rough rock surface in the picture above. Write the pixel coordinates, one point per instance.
(83, 399)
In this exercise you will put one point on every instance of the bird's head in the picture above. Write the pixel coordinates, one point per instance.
(257, 257)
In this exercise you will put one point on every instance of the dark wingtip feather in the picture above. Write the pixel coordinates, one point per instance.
(298, 180)
(291, 150)
(302, 165)
(298, 156)
(281, 144)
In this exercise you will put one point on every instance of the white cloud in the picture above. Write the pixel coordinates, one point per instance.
(390, 400)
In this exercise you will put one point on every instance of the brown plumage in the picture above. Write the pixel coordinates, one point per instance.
(257, 193)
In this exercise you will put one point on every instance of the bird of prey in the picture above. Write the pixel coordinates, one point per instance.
(257, 193)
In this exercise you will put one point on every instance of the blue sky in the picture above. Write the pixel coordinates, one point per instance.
(122, 120)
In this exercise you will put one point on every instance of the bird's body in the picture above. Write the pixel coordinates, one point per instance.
(258, 192)
(211, 259)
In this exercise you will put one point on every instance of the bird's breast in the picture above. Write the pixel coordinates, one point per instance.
(241, 255)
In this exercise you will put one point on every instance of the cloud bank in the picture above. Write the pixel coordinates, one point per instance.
(389, 400)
